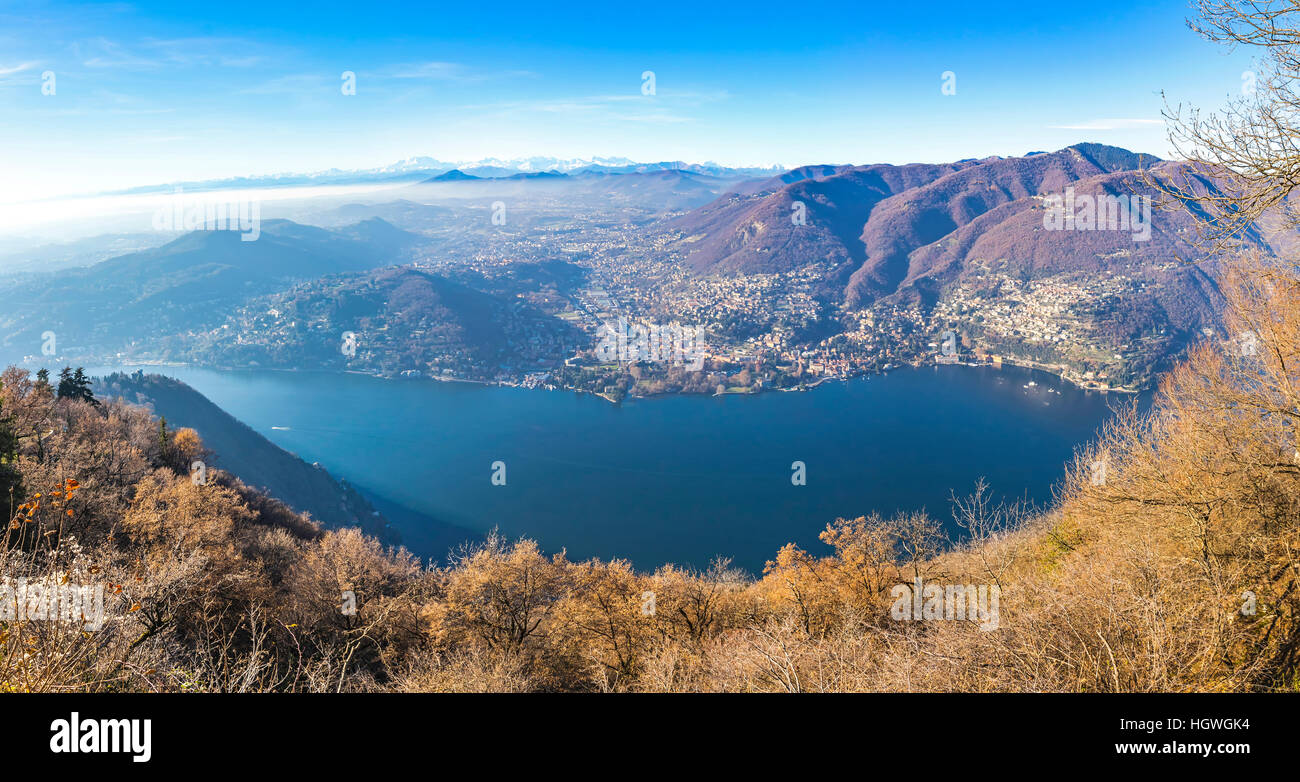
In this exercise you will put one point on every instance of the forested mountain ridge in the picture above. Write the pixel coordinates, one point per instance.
(389, 321)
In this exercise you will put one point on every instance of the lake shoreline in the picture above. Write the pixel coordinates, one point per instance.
(1049, 370)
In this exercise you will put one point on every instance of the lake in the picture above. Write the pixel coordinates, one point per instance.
(671, 479)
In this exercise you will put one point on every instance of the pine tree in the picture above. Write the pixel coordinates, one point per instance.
(66, 386)
(76, 385)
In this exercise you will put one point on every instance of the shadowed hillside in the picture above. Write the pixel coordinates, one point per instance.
(400, 318)
(307, 488)
(257, 461)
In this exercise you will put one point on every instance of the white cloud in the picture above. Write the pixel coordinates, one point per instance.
(155, 53)
(294, 84)
(446, 71)
(19, 68)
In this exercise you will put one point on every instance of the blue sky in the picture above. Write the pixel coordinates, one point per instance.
(151, 92)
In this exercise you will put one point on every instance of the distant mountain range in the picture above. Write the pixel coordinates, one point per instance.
(658, 189)
(421, 168)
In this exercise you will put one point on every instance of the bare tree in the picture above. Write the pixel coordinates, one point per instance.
(1243, 161)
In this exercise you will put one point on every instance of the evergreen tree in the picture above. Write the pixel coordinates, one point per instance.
(66, 387)
(76, 385)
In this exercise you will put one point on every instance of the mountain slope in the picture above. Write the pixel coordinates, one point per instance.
(401, 318)
(869, 219)
(973, 246)
(250, 456)
(759, 232)
(936, 209)
(189, 283)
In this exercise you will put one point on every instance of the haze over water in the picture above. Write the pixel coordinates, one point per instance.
(673, 479)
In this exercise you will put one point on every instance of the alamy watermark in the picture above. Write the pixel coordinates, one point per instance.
(1248, 343)
(951, 602)
(45, 600)
(212, 212)
(127, 736)
(1070, 212)
(668, 344)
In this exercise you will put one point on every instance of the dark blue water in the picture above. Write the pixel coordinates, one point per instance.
(673, 479)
